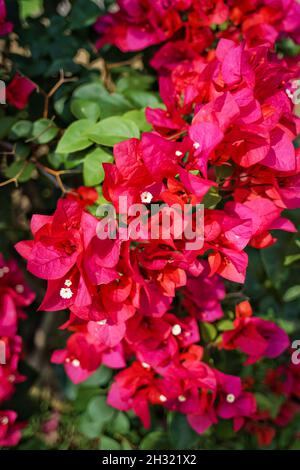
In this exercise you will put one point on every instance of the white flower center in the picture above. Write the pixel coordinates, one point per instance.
(146, 197)
(196, 145)
(75, 363)
(68, 283)
(230, 398)
(19, 288)
(145, 365)
(162, 398)
(182, 398)
(65, 293)
(176, 330)
(178, 153)
(101, 322)
(4, 420)
(4, 270)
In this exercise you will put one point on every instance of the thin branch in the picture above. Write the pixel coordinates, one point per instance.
(57, 175)
(62, 80)
(15, 178)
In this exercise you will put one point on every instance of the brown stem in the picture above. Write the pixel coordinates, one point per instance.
(15, 178)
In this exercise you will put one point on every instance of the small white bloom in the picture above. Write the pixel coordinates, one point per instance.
(162, 398)
(230, 398)
(146, 197)
(66, 293)
(101, 322)
(182, 398)
(196, 145)
(178, 153)
(68, 283)
(4, 421)
(145, 365)
(19, 288)
(176, 330)
(75, 363)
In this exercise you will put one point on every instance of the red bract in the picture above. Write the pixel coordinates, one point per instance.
(14, 296)
(5, 26)
(10, 431)
(225, 140)
(139, 24)
(257, 338)
(18, 91)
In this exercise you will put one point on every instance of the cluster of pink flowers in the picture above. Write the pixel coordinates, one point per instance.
(20, 88)
(14, 296)
(228, 128)
(189, 27)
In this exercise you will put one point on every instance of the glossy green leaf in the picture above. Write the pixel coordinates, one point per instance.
(93, 172)
(76, 137)
(22, 128)
(85, 109)
(112, 130)
(44, 130)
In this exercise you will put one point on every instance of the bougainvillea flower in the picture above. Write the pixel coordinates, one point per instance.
(86, 195)
(81, 358)
(233, 401)
(18, 91)
(203, 295)
(257, 338)
(10, 431)
(9, 375)
(14, 294)
(5, 26)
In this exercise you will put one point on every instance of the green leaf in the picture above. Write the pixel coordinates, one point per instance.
(90, 429)
(6, 124)
(290, 259)
(182, 436)
(22, 150)
(30, 8)
(99, 410)
(139, 118)
(224, 430)
(155, 440)
(22, 128)
(93, 172)
(142, 99)
(211, 199)
(113, 130)
(83, 14)
(120, 424)
(85, 109)
(90, 91)
(208, 331)
(225, 325)
(269, 402)
(56, 159)
(14, 169)
(107, 443)
(134, 81)
(75, 137)
(291, 294)
(100, 377)
(44, 130)
(114, 105)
